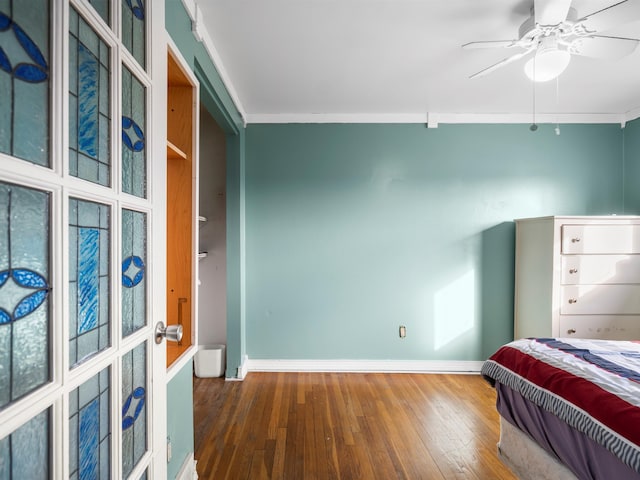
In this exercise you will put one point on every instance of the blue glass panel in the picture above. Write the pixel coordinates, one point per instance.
(24, 80)
(88, 278)
(134, 299)
(134, 164)
(89, 257)
(24, 291)
(89, 440)
(103, 8)
(89, 104)
(25, 452)
(134, 414)
(89, 428)
(133, 28)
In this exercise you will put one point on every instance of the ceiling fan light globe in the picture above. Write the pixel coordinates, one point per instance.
(548, 65)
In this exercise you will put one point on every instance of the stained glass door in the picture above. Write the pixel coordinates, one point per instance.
(82, 239)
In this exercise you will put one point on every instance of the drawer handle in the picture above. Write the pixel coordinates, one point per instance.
(571, 331)
(575, 240)
(573, 300)
(573, 270)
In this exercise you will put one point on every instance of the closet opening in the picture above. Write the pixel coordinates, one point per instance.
(212, 263)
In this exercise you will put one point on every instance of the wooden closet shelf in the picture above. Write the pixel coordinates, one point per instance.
(174, 152)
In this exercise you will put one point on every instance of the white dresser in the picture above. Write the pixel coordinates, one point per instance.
(578, 277)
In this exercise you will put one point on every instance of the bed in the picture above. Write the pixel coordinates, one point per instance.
(569, 408)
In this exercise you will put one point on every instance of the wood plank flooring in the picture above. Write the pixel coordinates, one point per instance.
(347, 426)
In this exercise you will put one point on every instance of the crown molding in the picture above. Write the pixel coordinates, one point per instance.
(633, 114)
(433, 119)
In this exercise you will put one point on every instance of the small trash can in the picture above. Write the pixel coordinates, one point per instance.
(210, 361)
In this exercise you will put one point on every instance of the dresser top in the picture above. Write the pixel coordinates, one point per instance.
(590, 218)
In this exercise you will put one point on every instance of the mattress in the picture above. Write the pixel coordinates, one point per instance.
(578, 399)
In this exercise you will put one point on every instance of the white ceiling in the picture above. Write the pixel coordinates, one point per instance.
(296, 59)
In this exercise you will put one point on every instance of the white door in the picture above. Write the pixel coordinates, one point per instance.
(82, 125)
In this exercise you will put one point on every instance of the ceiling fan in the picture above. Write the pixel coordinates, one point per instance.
(554, 32)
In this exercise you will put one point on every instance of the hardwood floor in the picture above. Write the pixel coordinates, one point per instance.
(347, 426)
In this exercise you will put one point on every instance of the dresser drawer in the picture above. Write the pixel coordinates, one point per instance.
(612, 239)
(599, 299)
(600, 269)
(610, 327)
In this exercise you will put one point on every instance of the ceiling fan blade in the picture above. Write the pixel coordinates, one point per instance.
(490, 44)
(604, 47)
(501, 64)
(612, 16)
(550, 12)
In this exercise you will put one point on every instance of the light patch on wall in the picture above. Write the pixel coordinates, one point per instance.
(383, 175)
(454, 309)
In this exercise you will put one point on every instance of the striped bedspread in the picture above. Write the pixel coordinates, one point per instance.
(593, 385)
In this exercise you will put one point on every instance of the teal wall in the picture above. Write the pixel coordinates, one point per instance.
(216, 99)
(180, 418)
(355, 229)
(632, 167)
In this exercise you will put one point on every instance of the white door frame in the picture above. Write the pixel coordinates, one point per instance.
(157, 111)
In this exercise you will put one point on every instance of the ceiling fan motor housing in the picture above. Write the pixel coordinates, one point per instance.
(529, 31)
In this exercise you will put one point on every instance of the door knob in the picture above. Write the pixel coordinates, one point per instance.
(172, 333)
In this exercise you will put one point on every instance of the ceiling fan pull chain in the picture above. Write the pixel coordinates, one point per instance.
(533, 126)
(557, 105)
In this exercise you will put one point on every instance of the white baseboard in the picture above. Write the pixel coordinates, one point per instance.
(368, 366)
(188, 469)
(242, 369)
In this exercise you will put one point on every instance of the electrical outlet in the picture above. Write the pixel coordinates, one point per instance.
(402, 331)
